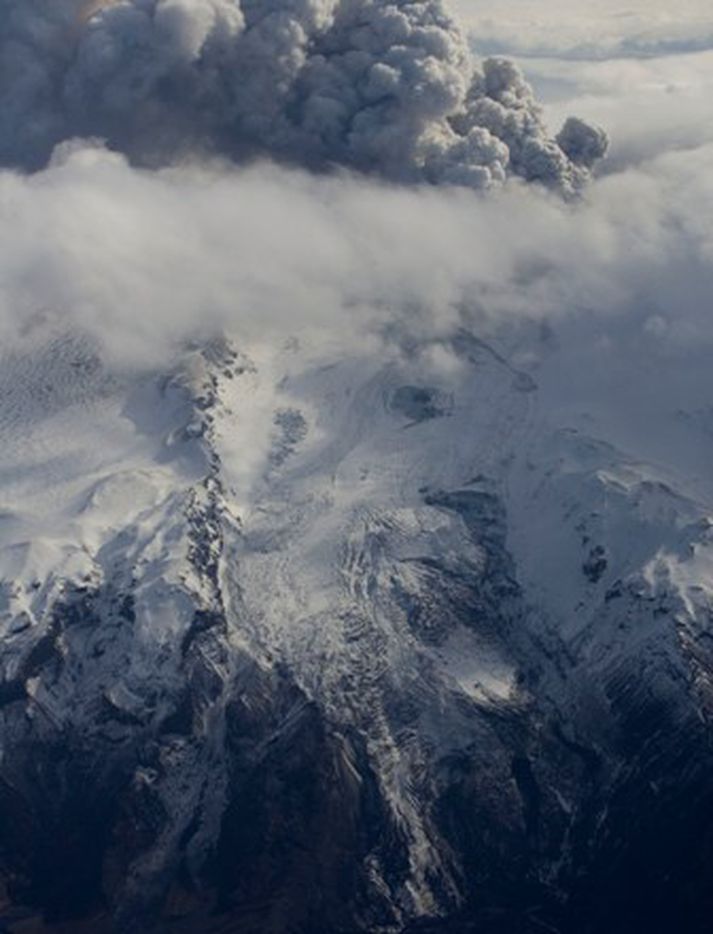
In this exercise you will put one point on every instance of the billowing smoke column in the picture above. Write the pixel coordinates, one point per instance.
(382, 87)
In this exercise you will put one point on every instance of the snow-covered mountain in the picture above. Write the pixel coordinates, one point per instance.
(378, 643)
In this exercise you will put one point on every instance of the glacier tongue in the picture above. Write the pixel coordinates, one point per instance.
(340, 645)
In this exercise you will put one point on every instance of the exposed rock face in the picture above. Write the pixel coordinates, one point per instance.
(322, 649)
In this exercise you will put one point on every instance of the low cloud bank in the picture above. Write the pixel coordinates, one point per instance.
(147, 260)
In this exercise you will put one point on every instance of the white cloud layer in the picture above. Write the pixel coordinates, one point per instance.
(583, 29)
(147, 260)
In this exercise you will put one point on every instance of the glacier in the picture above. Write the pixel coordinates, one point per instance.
(300, 642)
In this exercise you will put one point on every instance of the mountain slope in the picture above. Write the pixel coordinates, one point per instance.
(346, 645)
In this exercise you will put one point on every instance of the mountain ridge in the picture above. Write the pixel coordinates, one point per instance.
(344, 645)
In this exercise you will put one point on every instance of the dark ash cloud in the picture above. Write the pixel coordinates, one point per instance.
(386, 88)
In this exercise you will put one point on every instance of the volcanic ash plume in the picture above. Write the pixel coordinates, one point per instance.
(386, 88)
